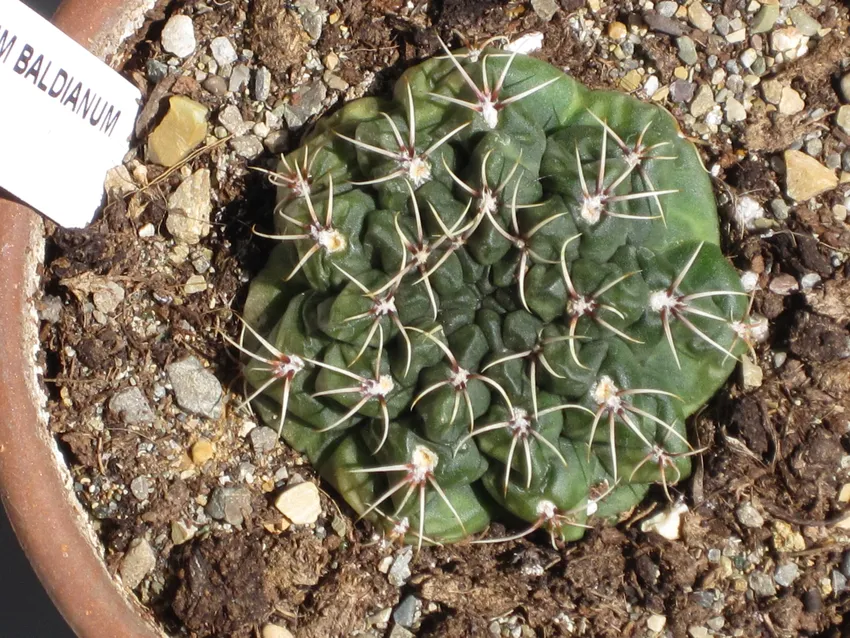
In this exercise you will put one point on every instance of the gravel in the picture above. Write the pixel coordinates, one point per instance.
(786, 574)
(263, 440)
(132, 406)
(223, 51)
(761, 584)
(178, 36)
(239, 78)
(230, 504)
(309, 104)
(749, 516)
(407, 610)
(400, 569)
(196, 389)
(189, 208)
(300, 504)
(137, 562)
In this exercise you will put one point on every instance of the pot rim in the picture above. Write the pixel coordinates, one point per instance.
(35, 485)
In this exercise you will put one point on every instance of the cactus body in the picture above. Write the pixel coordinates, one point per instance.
(497, 295)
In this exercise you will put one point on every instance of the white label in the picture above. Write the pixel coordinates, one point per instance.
(65, 118)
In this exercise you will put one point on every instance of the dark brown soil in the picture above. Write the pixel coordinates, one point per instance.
(782, 447)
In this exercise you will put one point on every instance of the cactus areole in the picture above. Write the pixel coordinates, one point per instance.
(495, 296)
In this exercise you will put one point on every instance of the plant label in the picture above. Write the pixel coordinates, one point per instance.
(65, 118)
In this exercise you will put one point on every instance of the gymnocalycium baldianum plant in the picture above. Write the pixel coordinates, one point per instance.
(496, 295)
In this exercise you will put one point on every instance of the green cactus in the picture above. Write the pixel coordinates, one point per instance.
(497, 295)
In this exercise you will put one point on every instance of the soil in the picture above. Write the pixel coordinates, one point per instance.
(782, 447)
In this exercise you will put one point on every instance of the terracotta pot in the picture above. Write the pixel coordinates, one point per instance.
(34, 481)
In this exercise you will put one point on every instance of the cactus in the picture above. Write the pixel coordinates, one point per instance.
(495, 296)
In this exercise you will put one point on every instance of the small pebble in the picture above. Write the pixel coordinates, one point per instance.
(783, 285)
(399, 571)
(300, 503)
(805, 24)
(180, 131)
(806, 177)
(765, 18)
(772, 91)
(721, 25)
(216, 85)
(786, 574)
(137, 563)
(546, 9)
(239, 78)
(682, 91)
(656, 623)
(263, 440)
(842, 119)
(844, 88)
(749, 516)
(262, 84)
(700, 18)
(663, 24)
(698, 631)
(687, 50)
(812, 601)
(790, 102)
(156, 70)
(275, 631)
(735, 111)
(407, 610)
(779, 208)
(196, 389)
(787, 39)
(845, 563)
(141, 487)
(667, 8)
(761, 584)
(231, 119)
(223, 51)
(202, 451)
(247, 146)
(178, 36)
(182, 532)
(132, 406)
(230, 504)
(839, 582)
(617, 31)
(189, 208)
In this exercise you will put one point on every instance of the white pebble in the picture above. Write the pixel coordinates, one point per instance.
(178, 36)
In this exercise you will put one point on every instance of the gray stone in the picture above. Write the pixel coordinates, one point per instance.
(703, 102)
(247, 146)
(663, 24)
(545, 9)
(196, 388)
(229, 504)
(779, 208)
(400, 569)
(667, 8)
(407, 610)
(833, 161)
(178, 36)
(842, 118)
(703, 598)
(687, 50)
(759, 66)
(721, 25)
(262, 84)
(682, 91)
(156, 70)
(761, 584)
(231, 119)
(239, 78)
(308, 104)
(313, 22)
(189, 208)
(50, 309)
(812, 600)
(845, 161)
(844, 88)
(223, 51)
(137, 563)
(263, 440)
(805, 24)
(786, 574)
(400, 632)
(108, 296)
(131, 406)
(141, 487)
(735, 111)
(765, 18)
(839, 582)
(699, 17)
(814, 147)
(216, 85)
(845, 563)
(749, 516)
